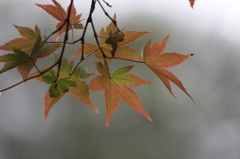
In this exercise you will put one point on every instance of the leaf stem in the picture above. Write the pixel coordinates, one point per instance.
(105, 12)
(125, 59)
(81, 61)
(34, 64)
(25, 80)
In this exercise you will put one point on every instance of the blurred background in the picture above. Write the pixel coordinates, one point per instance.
(181, 129)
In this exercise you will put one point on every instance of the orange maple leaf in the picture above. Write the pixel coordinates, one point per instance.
(116, 87)
(49, 102)
(157, 61)
(58, 13)
(26, 51)
(26, 43)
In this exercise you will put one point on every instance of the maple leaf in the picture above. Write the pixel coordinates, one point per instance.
(116, 87)
(192, 3)
(67, 82)
(58, 86)
(49, 102)
(58, 13)
(157, 61)
(26, 51)
(26, 43)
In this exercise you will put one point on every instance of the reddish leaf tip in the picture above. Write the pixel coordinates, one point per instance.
(149, 118)
(191, 54)
(192, 3)
(45, 115)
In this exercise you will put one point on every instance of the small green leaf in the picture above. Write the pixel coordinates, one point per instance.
(64, 83)
(70, 83)
(48, 78)
(53, 92)
(62, 87)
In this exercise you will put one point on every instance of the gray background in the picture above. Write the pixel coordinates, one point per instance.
(208, 129)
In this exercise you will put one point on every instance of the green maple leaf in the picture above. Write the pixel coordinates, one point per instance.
(67, 81)
(116, 87)
(58, 86)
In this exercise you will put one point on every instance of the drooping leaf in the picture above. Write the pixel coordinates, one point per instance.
(114, 39)
(192, 3)
(158, 61)
(58, 13)
(116, 87)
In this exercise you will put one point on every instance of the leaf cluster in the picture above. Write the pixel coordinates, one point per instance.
(111, 44)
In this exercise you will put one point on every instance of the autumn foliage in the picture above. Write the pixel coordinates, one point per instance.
(66, 76)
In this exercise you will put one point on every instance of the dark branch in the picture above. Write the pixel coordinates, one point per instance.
(107, 3)
(82, 39)
(67, 21)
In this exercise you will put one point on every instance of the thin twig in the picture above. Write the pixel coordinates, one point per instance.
(67, 21)
(81, 61)
(25, 80)
(100, 48)
(105, 12)
(89, 19)
(138, 61)
(107, 3)
(34, 64)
